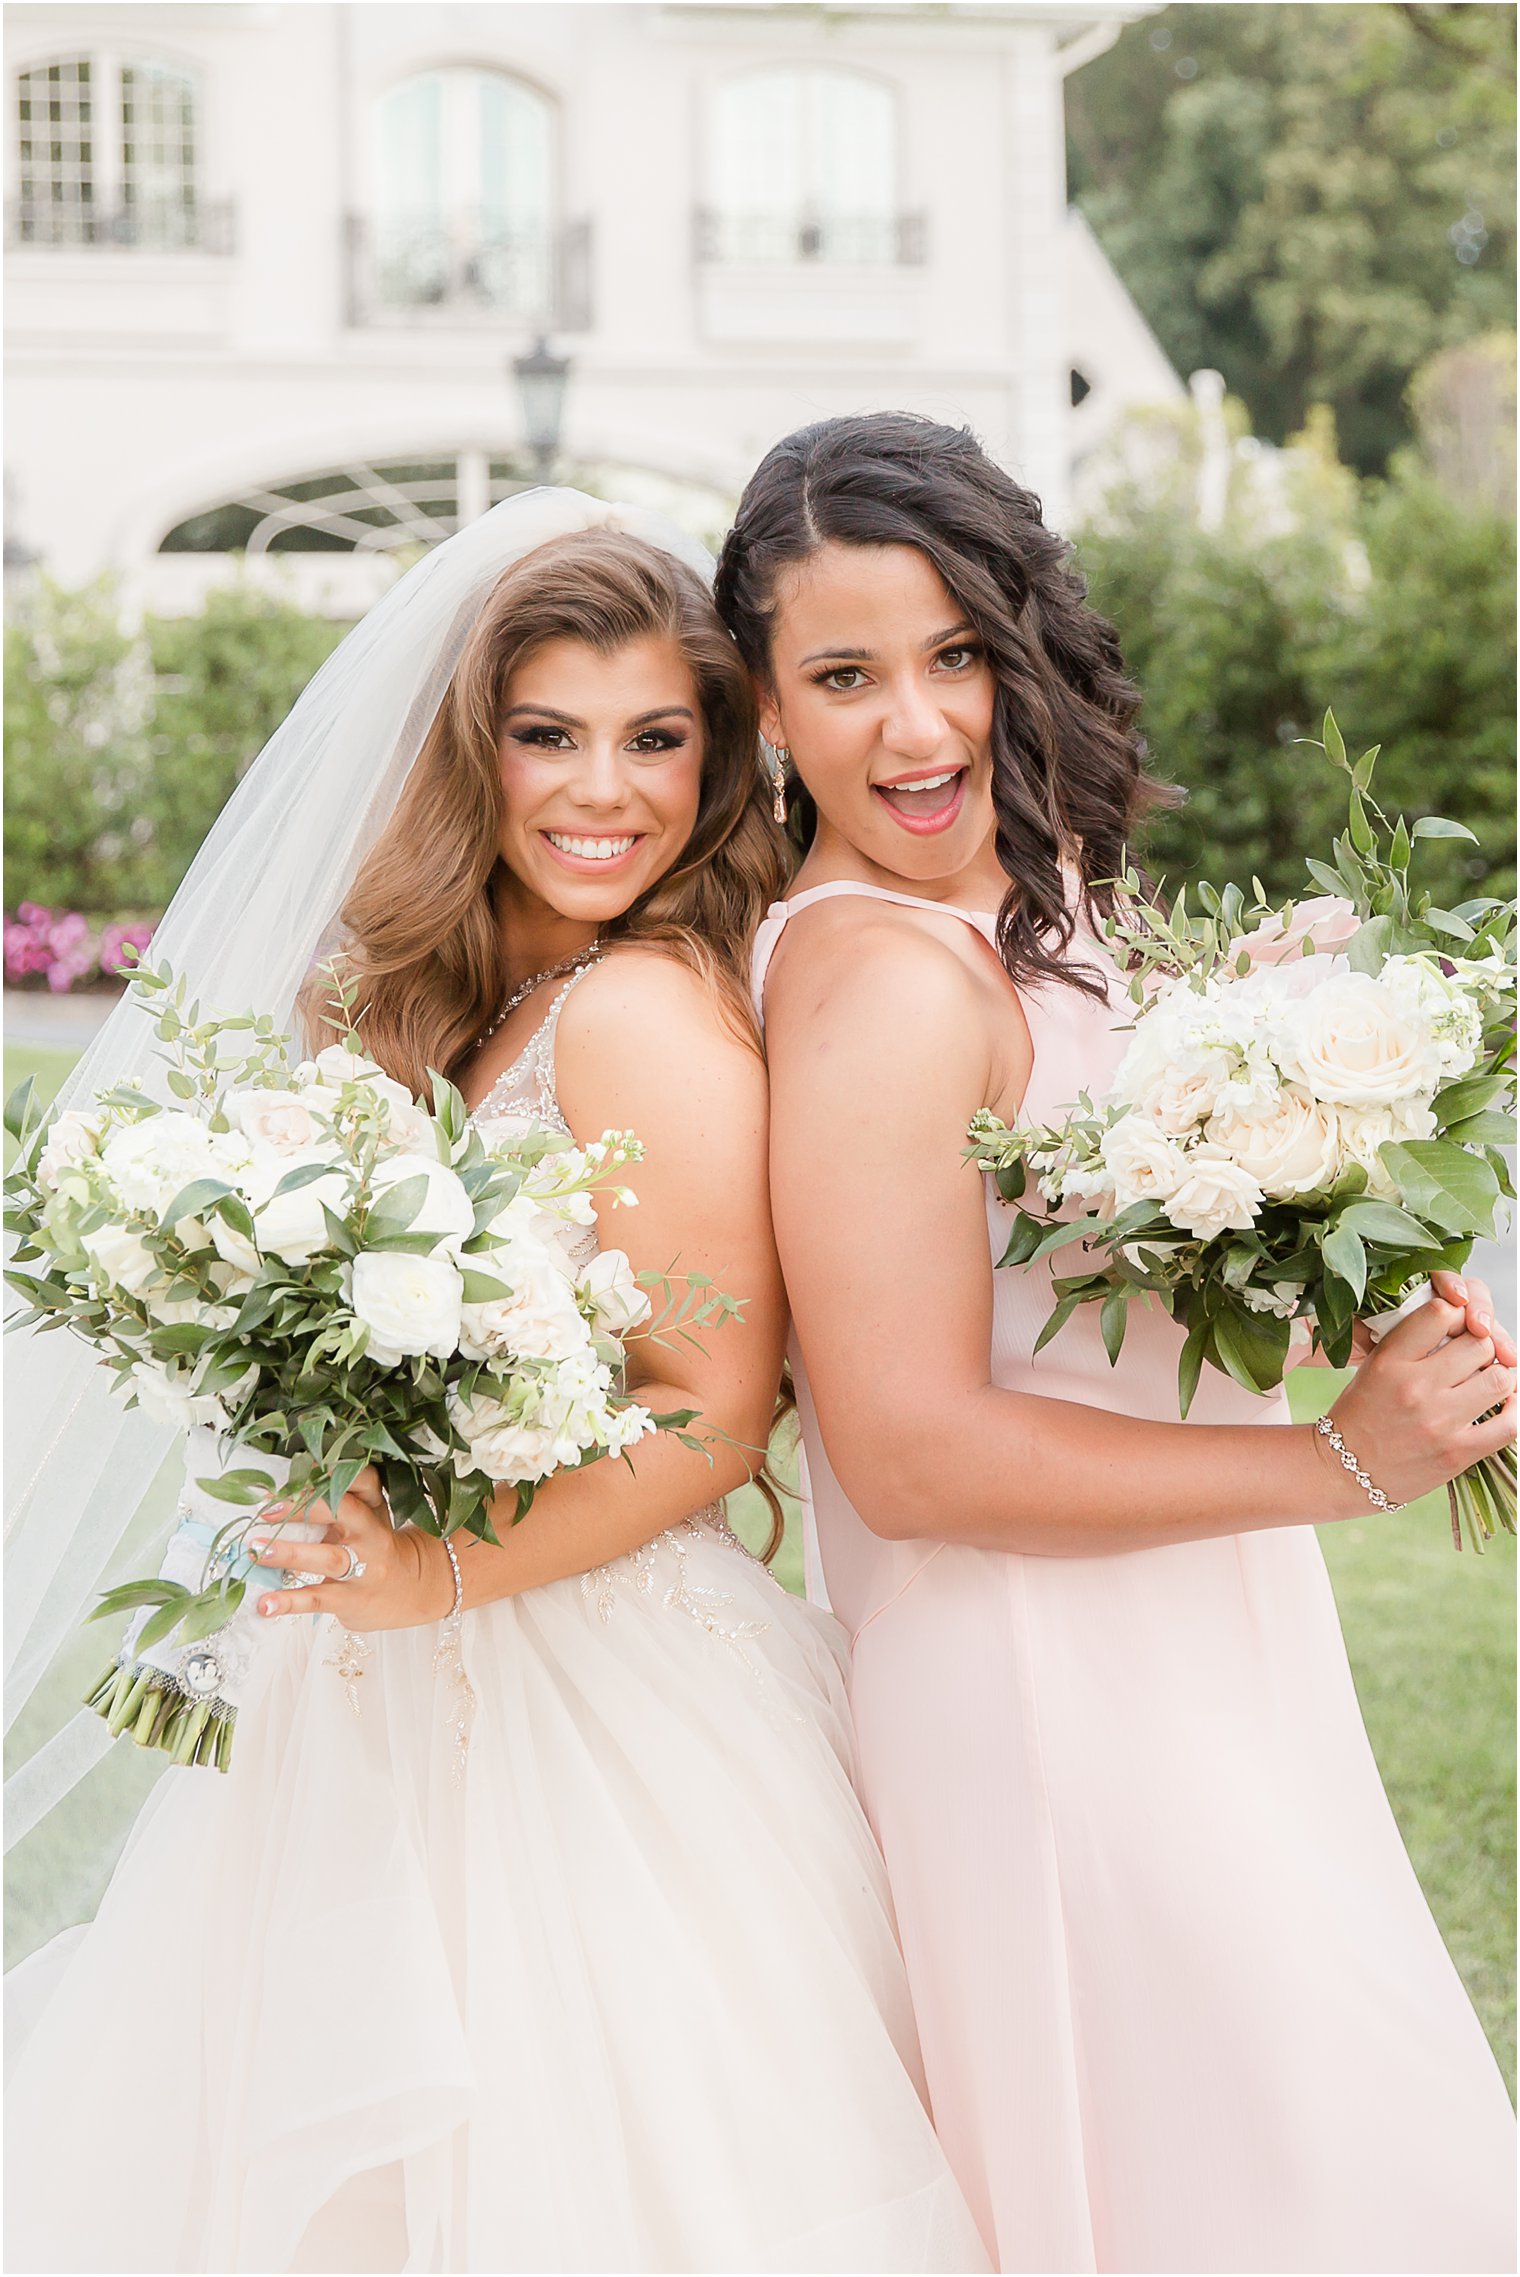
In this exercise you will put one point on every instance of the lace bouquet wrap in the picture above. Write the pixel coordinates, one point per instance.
(1311, 1115)
(309, 1272)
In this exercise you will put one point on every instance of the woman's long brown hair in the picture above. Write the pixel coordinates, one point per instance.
(422, 934)
(422, 937)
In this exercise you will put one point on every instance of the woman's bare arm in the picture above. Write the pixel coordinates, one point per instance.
(879, 1052)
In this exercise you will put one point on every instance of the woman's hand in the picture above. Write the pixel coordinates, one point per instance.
(1411, 1417)
(1454, 1289)
(407, 1580)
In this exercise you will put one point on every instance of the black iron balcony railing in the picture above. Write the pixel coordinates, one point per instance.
(151, 225)
(403, 270)
(864, 240)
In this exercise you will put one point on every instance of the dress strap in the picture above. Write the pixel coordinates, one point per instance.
(777, 917)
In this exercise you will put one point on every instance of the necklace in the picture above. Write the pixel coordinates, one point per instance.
(567, 965)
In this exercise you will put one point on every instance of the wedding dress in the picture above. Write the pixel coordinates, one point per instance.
(1182, 2003)
(613, 1986)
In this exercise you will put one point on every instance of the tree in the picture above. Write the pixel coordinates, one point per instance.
(1311, 200)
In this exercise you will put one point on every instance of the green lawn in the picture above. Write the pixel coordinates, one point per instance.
(1430, 1634)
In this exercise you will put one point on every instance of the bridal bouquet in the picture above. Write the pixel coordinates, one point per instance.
(308, 1271)
(1310, 1116)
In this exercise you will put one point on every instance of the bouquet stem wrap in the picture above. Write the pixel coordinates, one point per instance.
(178, 1694)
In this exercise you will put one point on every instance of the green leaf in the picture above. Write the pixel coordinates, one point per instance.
(1190, 1363)
(128, 1595)
(1333, 740)
(1470, 1097)
(1011, 1179)
(482, 1289)
(1361, 773)
(398, 1205)
(400, 1244)
(1361, 829)
(239, 1487)
(1485, 1129)
(1114, 1320)
(306, 1174)
(194, 1199)
(1057, 1321)
(1386, 1224)
(158, 1625)
(1253, 1347)
(1061, 1236)
(1023, 1241)
(1443, 1182)
(212, 1611)
(1437, 826)
(1346, 1256)
(180, 1084)
(18, 1108)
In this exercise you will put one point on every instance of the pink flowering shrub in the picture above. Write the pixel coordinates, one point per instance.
(59, 949)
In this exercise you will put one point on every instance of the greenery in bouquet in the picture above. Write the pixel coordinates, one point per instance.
(301, 1259)
(1311, 1115)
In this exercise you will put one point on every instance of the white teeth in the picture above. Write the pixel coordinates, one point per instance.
(929, 782)
(591, 849)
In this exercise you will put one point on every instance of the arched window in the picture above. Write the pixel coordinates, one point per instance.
(106, 154)
(804, 168)
(463, 194)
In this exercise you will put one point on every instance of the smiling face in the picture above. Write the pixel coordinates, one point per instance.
(880, 688)
(601, 774)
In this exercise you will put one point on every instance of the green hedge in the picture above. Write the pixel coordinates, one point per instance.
(121, 752)
(1238, 646)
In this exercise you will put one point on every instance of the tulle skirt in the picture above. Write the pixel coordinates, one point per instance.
(618, 1990)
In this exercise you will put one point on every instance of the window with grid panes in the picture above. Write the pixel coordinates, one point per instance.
(106, 154)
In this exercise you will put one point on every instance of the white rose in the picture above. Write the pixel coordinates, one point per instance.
(1353, 1042)
(1215, 1196)
(152, 1161)
(121, 1256)
(500, 1443)
(616, 1300)
(1363, 1131)
(409, 1304)
(292, 1225)
(407, 1127)
(1293, 1148)
(282, 1120)
(1179, 1102)
(1143, 1162)
(74, 1136)
(447, 1213)
(169, 1393)
(539, 1320)
(337, 1065)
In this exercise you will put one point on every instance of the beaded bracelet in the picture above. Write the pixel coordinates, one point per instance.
(1374, 1494)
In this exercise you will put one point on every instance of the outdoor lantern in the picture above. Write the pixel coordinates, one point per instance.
(541, 378)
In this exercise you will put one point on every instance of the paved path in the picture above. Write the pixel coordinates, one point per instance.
(63, 1023)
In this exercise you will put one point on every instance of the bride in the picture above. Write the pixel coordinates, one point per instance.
(585, 1962)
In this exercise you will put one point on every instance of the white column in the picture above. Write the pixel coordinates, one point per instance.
(1039, 387)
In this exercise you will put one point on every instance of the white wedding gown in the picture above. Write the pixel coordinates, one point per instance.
(619, 1990)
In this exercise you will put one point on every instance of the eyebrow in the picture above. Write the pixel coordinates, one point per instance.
(568, 719)
(869, 655)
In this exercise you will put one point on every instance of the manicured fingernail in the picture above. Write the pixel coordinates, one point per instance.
(1485, 1321)
(267, 1604)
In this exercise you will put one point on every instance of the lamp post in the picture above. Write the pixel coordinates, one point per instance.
(541, 380)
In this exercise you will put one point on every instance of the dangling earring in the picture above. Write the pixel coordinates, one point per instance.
(781, 755)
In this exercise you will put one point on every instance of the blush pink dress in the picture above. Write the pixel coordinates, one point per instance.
(1182, 2003)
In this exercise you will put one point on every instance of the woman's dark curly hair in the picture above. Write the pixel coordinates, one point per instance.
(1069, 782)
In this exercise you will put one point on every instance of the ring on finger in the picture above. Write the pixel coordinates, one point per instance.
(354, 1570)
(291, 1580)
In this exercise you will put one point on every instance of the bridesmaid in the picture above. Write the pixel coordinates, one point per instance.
(1182, 2003)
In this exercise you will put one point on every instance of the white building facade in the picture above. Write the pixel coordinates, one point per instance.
(269, 265)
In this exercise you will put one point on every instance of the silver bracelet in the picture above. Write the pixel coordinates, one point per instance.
(1374, 1494)
(457, 1607)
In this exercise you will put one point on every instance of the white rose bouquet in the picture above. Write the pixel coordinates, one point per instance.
(1311, 1115)
(308, 1271)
